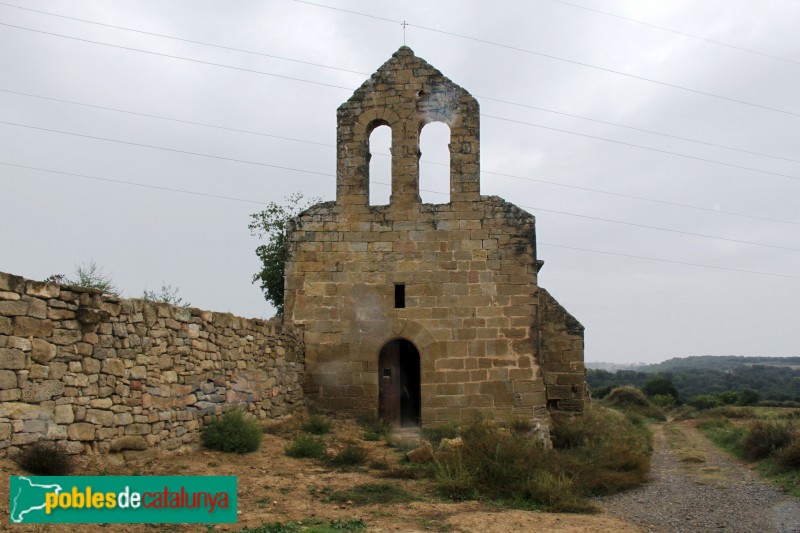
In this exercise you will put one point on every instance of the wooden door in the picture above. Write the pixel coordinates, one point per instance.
(389, 383)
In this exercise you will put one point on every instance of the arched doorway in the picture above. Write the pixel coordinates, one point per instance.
(399, 383)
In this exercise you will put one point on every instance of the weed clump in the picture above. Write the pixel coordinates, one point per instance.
(764, 437)
(44, 458)
(789, 456)
(631, 399)
(599, 452)
(232, 432)
(435, 434)
(369, 493)
(305, 447)
(317, 425)
(375, 429)
(352, 455)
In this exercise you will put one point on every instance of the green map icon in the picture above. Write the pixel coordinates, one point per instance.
(28, 499)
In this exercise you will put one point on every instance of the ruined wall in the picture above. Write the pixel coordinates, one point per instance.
(561, 355)
(88, 369)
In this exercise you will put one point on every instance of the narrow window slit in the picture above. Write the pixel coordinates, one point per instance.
(399, 296)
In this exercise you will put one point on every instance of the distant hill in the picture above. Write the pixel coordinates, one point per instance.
(719, 362)
(775, 378)
(614, 367)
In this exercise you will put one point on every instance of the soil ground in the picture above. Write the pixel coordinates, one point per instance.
(275, 488)
(693, 487)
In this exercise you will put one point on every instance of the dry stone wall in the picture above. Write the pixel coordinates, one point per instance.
(103, 374)
(561, 349)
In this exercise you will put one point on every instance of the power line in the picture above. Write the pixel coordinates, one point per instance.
(244, 161)
(133, 183)
(714, 161)
(328, 145)
(186, 152)
(634, 128)
(131, 49)
(668, 261)
(165, 36)
(162, 35)
(658, 228)
(643, 198)
(557, 58)
(195, 193)
(685, 34)
(171, 119)
(349, 89)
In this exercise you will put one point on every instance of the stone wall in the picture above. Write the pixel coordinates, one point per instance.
(561, 349)
(101, 374)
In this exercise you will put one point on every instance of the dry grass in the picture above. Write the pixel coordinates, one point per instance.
(598, 453)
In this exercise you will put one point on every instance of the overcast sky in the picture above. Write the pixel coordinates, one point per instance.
(633, 309)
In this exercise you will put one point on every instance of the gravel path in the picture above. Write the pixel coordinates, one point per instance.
(722, 496)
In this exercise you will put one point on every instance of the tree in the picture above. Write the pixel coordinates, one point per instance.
(748, 397)
(273, 224)
(660, 386)
(167, 295)
(89, 276)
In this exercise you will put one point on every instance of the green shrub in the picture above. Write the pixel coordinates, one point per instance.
(601, 392)
(317, 425)
(789, 455)
(704, 401)
(728, 397)
(631, 399)
(664, 401)
(765, 437)
(232, 432)
(44, 458)
(352, 455)
(748, 397)
(305, 447)
(659, 385)
(627, 396)
(371, 437)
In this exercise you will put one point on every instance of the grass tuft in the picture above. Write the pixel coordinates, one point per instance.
(317, 425)
(352, 455)
(305, 447)
(371, 493)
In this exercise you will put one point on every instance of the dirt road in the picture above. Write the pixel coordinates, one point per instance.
(695, 487)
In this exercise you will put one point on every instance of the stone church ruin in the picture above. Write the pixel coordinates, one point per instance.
(412, 312)
(423, 313)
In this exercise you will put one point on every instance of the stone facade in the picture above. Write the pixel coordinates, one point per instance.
(445, 295)
(101, 374)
